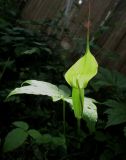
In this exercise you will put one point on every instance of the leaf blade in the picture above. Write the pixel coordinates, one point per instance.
(40, 88)
(14, 139)
(21, 124)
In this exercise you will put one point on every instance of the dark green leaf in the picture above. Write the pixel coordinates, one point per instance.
(14, 139)
(106, 78)
(35, 135)
(116, 112)
(21, 124)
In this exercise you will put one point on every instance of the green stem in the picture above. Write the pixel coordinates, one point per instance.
(64, 118)
(6, 64)
(78, 126)
(88, 27)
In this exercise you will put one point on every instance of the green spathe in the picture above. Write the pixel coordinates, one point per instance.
(78, 77)
(78, 101)
(82, 71)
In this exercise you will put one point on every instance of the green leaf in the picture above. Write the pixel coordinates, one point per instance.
(107, 77)
(116, 113)
(35, 135)
(89, 112)
(82, 71)
(40, 138)
(14, 139)
(46, 138)
(64, 91)
(59, 141)
(21, 124)
(31, 51)
(40, 88)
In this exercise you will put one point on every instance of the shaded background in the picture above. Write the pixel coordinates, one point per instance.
(108, 17)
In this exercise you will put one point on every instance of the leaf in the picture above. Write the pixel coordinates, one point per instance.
(21, 124)
(40, 138)
(46, 138)
(116, 113)
(89, 112)
(40, 88)
(50, 89)
(35, 135)
(82, 71)
(14, 139)
(31, 51)
(107, 77)
(59, 141)
(64, 90)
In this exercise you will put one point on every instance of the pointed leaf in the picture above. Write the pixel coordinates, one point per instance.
(14, 139)
(21, 124)
(106, 77)
(116, 112)
(35, 135)
(40, 88)
(82, 71)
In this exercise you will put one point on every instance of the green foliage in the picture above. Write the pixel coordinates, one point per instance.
(22, 125)
(41, 88)
(116, 112)
(18, 136)
(108, 78)
(36, 135)
(10, 9)
(14, 139)
(43, 139)
(89, 112)
(35, 87)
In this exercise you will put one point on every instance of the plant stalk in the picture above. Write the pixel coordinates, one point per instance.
(78, 126)
(64, 118)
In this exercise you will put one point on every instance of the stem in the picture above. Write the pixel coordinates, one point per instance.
(64, 118)
(4, 68)
(88, 27)
(78, 126)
